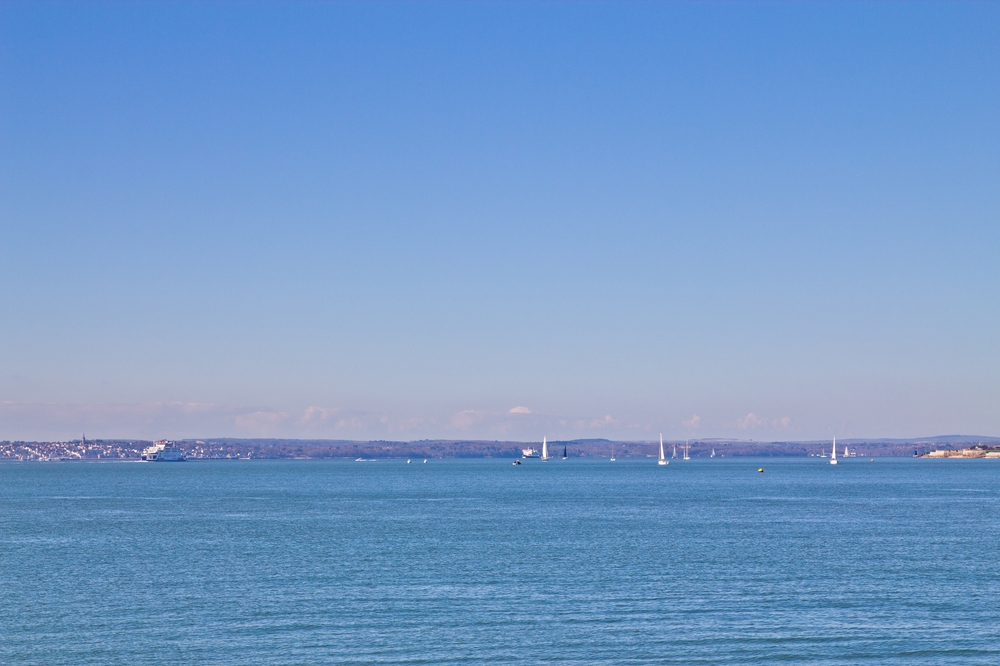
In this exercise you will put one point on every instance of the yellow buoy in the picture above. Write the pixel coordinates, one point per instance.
(761, 469)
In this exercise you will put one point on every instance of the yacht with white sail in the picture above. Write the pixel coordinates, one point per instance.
(663, 459)
(545, 449)
(833, 452)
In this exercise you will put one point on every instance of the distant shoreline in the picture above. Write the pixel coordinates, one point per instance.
(973, 452)
(101, 450)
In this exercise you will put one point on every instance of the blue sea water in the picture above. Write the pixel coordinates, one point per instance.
(478, 561)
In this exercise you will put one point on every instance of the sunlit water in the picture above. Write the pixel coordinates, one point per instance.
(470, 561)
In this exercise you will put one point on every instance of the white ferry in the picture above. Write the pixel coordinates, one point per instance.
(529, 453)
(163, 451)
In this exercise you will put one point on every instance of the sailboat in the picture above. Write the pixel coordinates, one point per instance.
(675, 452)
(545, 450)
(663, 458)
(833, 455)
(846, 454)
(687, 451)
(713, 454)
(612, 451)
(564, 452)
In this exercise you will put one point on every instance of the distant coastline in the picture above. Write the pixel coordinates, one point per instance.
(981, 450)
(945, 446)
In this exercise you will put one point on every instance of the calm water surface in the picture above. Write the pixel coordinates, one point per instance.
(472, 561)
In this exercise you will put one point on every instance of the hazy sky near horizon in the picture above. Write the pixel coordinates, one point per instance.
(499, 220)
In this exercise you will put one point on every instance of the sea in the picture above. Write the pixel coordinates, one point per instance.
(583, 561)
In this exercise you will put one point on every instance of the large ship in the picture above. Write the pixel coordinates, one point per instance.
(163, 451)
(529, 453)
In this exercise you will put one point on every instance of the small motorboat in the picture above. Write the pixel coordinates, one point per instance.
(517, 462)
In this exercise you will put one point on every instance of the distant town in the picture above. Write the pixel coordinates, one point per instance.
(85, 449)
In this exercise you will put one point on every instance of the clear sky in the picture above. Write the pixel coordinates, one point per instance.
(499, 220)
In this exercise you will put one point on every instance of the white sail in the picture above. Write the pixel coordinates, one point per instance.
(845, 451)
(833, 455)
(663, 458)
(545, 449)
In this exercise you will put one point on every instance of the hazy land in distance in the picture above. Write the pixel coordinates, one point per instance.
(223, 448)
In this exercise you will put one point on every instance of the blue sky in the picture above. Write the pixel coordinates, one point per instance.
(499, 220)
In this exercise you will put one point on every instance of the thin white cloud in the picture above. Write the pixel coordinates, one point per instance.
(606, 421)
(783, 422)
(176, 420)
(692, 422)
(335, 421)
(314, 415)
(147, 420)
(751, 420)
(468, 418)
(180, 420)
(260, 423)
